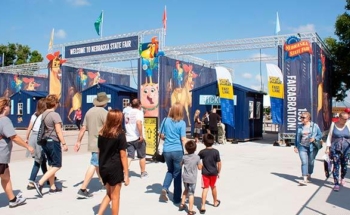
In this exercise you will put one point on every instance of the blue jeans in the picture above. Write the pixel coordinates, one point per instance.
(37, 166)
(307, 158)
(173, 161)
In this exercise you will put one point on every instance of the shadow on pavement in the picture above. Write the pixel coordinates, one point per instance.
(108, 211)
(4, 201)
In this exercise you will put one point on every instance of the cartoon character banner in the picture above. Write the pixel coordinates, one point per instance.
(148, 76)
(75, 80)
(177, 79)
(55, 73)
(12, 83)
(321, 91)
(297, 87)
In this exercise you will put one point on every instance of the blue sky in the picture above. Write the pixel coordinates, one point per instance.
(30, 22)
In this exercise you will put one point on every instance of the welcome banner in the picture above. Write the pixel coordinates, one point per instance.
(276, 92)
(226, 95)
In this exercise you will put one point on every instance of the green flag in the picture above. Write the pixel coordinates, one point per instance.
(98, 24)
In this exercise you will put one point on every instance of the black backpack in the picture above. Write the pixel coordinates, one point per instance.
(41, 140)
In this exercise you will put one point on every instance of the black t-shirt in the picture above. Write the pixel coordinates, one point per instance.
(210, 157)
(214, 118)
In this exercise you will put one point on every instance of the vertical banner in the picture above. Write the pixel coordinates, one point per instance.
(151, 131)
(226, 95)
(297, 82)
(276, 92)
(321, 91)
(148, 73)
(55, 73)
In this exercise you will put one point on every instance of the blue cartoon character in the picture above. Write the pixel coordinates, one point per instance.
(178, 75)
(16, 84)
(150, 59)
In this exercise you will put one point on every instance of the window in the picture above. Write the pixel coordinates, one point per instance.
(12, 107)
(20, 109)
(28, 105)
(126, 102)
(257, 110)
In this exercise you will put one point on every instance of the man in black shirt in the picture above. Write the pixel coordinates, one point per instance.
(214, 119)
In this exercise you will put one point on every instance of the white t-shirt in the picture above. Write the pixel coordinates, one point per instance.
(131, 117)
(36, 126)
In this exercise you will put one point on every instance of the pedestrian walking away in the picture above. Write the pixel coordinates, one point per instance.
(94, 120)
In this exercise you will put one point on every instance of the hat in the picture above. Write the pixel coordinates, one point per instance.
(347, 110)
(101, 99)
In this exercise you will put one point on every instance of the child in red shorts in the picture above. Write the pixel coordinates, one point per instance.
(210, 171)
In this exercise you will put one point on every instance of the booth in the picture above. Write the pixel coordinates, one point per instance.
(120, 96)
(23, 106)
(248, 109)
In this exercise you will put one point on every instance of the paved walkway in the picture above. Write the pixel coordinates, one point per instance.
(256, 178)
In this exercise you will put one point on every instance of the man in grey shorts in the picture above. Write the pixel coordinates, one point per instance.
(134, 135)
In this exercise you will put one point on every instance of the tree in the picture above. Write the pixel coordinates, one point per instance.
(17, 54)
(340, 49)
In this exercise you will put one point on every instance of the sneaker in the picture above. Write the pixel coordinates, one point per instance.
(57, 190)
(39, 189)
(342, 182)
(336, 188)
(19, 201)
(84, 194)
(30, 187)
(164, 196)
(303, 183)
(144, 174)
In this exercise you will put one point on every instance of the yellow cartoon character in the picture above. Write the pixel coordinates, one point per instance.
(54, 66)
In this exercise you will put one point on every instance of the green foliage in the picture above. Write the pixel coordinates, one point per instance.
(16, 54)
(340, 49)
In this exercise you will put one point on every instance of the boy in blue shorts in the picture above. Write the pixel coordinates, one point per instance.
(192, 164)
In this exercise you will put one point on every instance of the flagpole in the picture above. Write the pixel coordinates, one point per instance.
(102, 24)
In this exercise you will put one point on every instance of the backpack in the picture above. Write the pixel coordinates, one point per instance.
(41, 140)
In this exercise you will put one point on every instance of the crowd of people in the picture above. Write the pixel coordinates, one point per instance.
(113, 139)
(115, 136)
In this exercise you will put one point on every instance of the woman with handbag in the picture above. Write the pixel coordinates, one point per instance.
(338, 147)
(307, 139)
(174, 135)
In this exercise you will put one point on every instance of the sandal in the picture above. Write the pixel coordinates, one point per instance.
(182, 207)
(202, 211)
(217, 203)
(191, 212)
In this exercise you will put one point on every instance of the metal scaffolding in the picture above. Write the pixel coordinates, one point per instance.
(183, 52)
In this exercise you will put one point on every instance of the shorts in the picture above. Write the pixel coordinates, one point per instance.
(190, 188)
(139, 147)
(94, 159)
(209, 181)
(53, 152)
(3, 167)
(197, 130)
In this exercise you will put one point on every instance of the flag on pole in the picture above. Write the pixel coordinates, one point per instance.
(51, 39)
(98, 24)
(164, 20)
(278, 27)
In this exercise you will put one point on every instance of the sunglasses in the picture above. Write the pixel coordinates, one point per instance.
(302, 117)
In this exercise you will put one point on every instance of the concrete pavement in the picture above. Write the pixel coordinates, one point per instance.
(256, 178)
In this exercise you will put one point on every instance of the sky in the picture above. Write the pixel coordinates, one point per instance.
(30, 22)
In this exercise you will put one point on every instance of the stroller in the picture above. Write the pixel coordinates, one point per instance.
(221, 133)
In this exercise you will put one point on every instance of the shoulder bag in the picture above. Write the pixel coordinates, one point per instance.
(317, 143)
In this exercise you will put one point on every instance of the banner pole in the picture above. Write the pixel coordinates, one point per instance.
(102, 24)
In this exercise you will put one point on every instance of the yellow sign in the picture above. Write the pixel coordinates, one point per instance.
(275, 87)
(225, 89)
(151, 132)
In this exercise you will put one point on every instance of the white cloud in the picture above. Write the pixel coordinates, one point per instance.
(257, 55)
(79, 2)
(247, 75)
(255, 87)
(61, 34)
(304, 28)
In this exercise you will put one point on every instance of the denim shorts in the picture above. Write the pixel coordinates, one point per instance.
(94, 159)
(53, 152)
